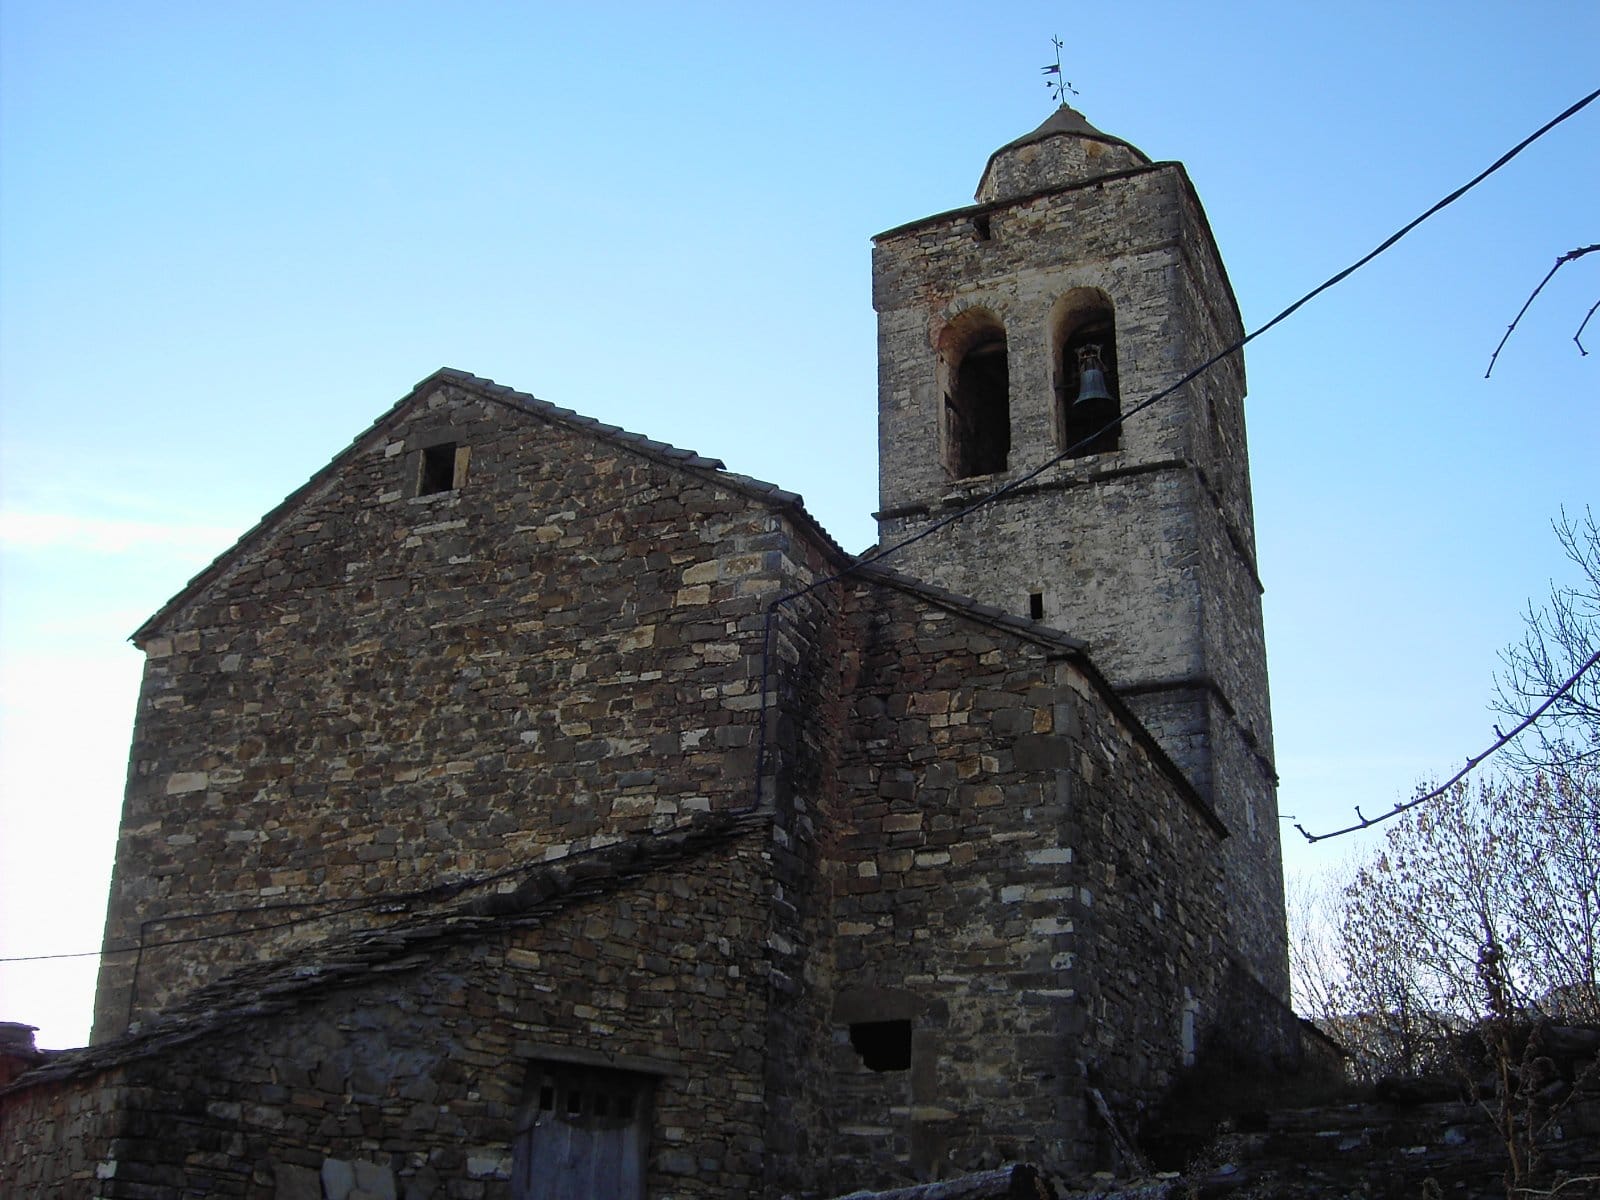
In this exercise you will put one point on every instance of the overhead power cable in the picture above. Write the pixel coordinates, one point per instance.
(1120, 419)
(982, 502)
(1477, 760)
(326, 909)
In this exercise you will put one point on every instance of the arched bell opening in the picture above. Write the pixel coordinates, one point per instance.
(975, 381)
(1088, 386)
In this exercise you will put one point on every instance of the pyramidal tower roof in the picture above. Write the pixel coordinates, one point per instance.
(1064, 150)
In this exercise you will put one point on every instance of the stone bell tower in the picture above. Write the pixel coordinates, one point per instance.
(1140, 540)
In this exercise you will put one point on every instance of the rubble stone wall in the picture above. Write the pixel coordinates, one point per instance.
(391, 691)
(809, 637)
(58, 1141)
(986, 790)
(413, 1082)
(1146, 552)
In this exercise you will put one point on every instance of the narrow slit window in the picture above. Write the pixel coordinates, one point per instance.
(883, 1045)
(1036, 605)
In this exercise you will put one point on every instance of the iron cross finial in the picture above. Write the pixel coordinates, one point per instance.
(1060, 85)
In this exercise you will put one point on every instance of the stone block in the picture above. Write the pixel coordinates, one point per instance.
(338, 1179)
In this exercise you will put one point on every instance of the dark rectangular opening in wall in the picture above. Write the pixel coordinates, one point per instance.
(980, 227)
(1036, 605)
(438, 469)
(883, 1045)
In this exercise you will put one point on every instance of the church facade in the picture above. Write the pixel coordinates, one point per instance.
(526, 808)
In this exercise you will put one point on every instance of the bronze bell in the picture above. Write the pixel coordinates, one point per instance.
(1091, 376)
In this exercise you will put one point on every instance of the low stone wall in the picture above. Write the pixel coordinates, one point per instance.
(400, 1063)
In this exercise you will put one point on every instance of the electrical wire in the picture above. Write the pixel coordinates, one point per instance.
(440, 891)
(1365, 822)
(1120, 419)
(928, 531)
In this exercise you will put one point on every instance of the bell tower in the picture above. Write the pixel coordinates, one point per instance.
(1012, 332)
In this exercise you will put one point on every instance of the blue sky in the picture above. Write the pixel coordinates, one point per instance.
(232, 234)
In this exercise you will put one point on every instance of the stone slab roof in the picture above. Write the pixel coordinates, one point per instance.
(526, 895)
(987, 614)
(1068, 121)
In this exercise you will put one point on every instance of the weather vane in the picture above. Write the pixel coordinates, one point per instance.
(1060, 85)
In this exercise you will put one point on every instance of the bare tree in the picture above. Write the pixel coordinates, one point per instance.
(1560, 637)
(1508, 874)
(1469, 945)
(1314, 905)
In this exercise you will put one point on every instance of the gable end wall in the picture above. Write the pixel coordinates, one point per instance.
(389, 692)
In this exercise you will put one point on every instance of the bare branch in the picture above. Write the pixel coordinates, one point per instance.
(1579, 334)
(1569, 256)
(1364, 822)
(1565, 1183)
(1558, 636)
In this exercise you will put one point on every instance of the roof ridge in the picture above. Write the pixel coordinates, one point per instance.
(989, 614)
(759, 489)
(657, 451)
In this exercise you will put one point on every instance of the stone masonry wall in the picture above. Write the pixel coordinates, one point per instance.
(1242, 754)
(413, 1081)
(1122, 236)
(956, 858)
(1141, 567)
(1145, 552)
(388, 690)
(1116, 560)
(1152, 975)
(57, 1140)
(1208, 320)
(809, 636)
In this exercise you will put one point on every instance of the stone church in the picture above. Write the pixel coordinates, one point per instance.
(526, 808)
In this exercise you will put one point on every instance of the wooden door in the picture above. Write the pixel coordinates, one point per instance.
(583, 1135)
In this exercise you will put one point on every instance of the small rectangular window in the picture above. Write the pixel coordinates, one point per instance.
(882, 1045)
(1036, 605)
(438, 470)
